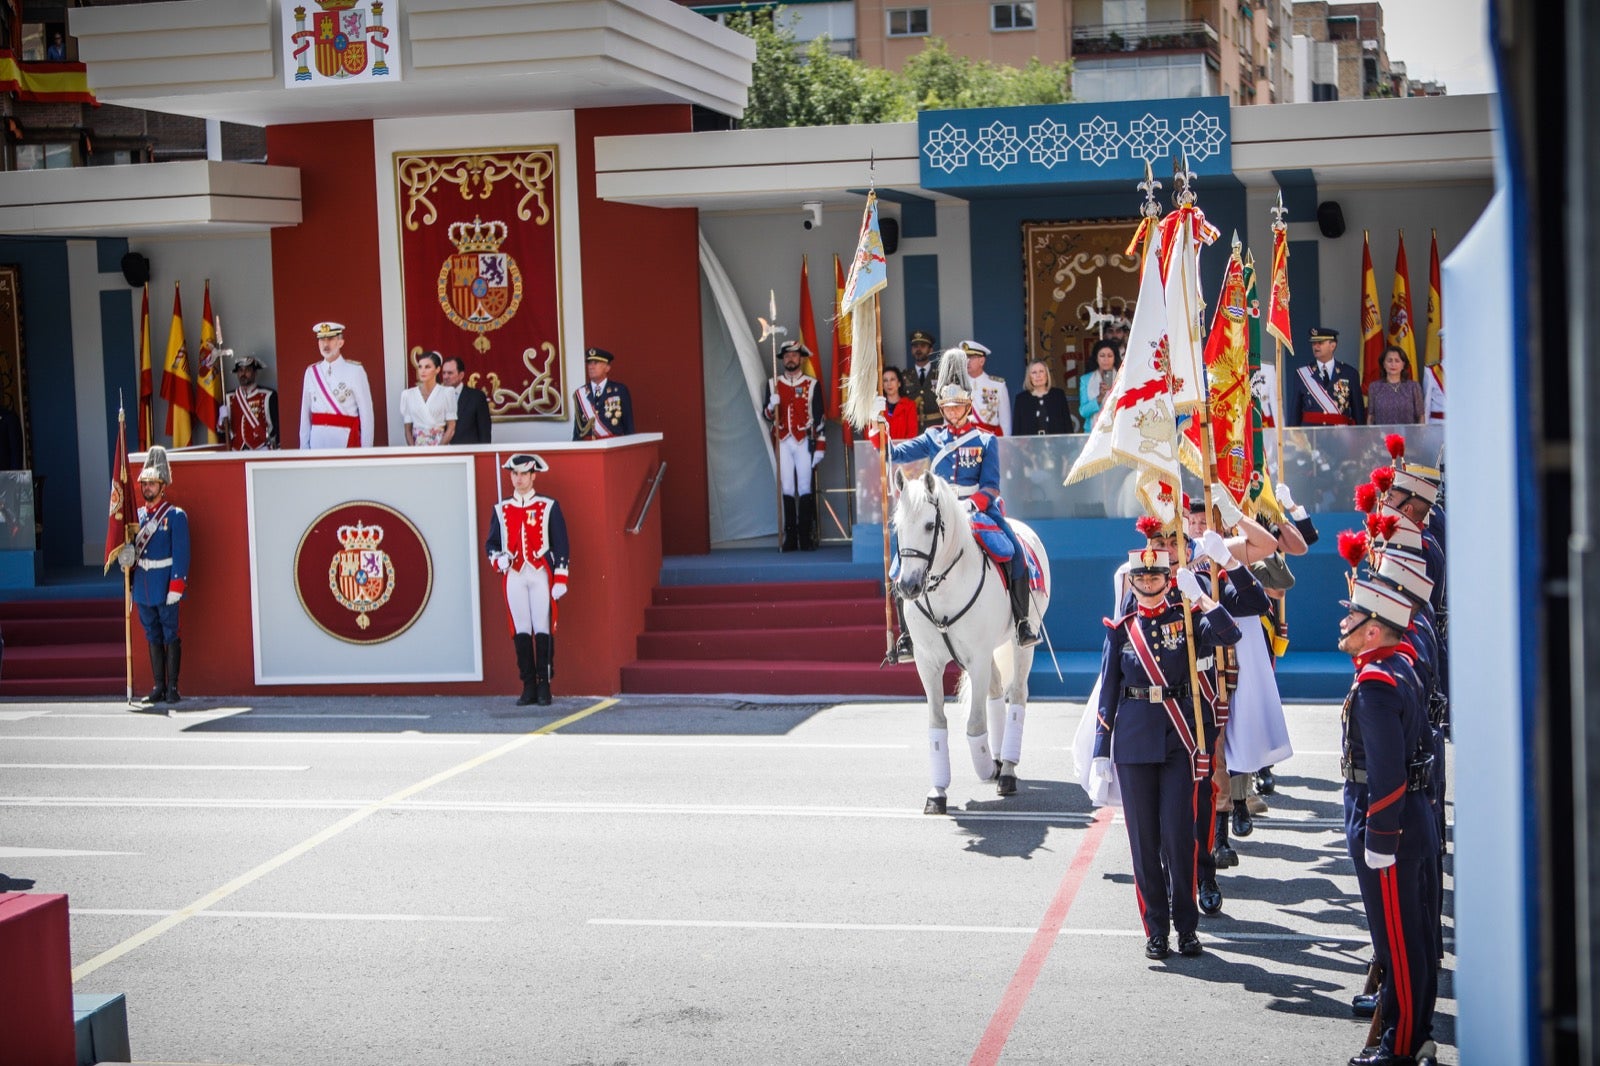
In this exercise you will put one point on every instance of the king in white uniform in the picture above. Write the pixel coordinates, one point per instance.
(335, 399)
(991, 403)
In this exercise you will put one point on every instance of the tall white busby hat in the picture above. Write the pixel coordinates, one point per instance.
(156, 466)
(954, 384)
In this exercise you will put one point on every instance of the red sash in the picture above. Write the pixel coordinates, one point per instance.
(1318, 418)
(1152, 669)
(348, 422)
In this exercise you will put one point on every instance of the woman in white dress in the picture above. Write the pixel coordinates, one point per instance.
(428, 409)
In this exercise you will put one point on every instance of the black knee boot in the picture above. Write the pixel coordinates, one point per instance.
(541, 668)
(902, 652)
(791, 524)
(158, 670)
(524, 645)
(1026, 637)
(808, 522)
(174, 648)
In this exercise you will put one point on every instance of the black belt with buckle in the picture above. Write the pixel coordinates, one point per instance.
(1156, 693)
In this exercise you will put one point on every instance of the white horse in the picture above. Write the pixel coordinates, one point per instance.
(957, 609)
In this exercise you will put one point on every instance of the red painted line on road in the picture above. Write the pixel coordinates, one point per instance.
(1044, 938)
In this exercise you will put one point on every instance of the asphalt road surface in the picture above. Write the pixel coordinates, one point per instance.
(689, 880)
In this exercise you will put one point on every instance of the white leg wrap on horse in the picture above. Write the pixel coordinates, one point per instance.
(996, 708)
(982, 757)
(1011, 747)
(939, 757)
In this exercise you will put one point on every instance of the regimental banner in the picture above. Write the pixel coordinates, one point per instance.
(338, 42)
(362, 572)
(480, 270)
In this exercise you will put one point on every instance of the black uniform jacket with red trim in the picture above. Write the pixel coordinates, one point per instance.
(1385, 725)
(1144, 729)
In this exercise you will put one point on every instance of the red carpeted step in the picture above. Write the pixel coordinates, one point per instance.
(762, 592)
(64, 661)
(58, 686)
(31, 609)
(842, 643)
(36, 632)
(793, 678)
(782, 614)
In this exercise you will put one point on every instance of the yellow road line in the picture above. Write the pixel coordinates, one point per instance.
(217, 895)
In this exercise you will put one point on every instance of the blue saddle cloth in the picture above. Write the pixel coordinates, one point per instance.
(997, 546)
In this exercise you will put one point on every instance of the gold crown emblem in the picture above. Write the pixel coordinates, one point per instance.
(480, 236)
(336, 5)
(360, 537)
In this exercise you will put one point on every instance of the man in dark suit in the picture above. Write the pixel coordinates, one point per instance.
(1324, 392)
(472, 406)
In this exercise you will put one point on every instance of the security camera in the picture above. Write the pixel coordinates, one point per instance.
(813, 214)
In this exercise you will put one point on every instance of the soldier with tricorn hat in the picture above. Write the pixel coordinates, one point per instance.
(158, 564)
(528, 545)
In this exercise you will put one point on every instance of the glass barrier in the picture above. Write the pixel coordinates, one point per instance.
(1322, 468)
(16, 510)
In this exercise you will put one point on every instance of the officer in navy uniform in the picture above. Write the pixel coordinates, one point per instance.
(969, 459)
(604, 408)
(528, 545)
(158, 562)
(1389, 821)
(1145, 723)
(1325, 392)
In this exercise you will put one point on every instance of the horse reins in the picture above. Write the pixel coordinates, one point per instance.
(935, 580)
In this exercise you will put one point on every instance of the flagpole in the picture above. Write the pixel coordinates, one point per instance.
(777, 450)
(883, 456)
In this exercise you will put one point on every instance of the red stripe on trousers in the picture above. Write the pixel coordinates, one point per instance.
(1397, 958)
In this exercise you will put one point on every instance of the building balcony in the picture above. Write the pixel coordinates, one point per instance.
(1191, 35)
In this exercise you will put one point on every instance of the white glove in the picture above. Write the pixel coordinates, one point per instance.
(1100, 769)
(501, 561)
(1378, 862)
(1215, 548)
(1188, 584)
(1227, 510)
(173, 597)
(880, 409)
(558, 592)
(816, 458)
(772, 395)
(1290, 508)
(126, 556)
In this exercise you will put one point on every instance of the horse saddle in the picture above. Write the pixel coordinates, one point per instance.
(997, 546)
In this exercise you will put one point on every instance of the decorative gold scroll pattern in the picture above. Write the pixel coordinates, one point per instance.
(475, 174)
(541, 397)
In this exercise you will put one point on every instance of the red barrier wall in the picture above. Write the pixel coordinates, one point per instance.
(327, 267)
(641, 301)
(613, 573)
(35, 981)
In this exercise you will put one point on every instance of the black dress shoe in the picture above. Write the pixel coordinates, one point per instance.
(1266, 781)
(1156, 947)
(1189, 944)
(1377, 1056)
(1210, 899)
(1243, 826)
(1223, 856)
(1364, 1005)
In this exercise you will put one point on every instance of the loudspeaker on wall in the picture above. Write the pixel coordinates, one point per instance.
(1330, 218)
(135, 269)
(889, 230)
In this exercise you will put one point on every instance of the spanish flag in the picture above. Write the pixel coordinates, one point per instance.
(146, 383)
(839, 365)
(177, 387)
(808, 324)
(1371, 318)
(1433, 356)
(208, 396)
(1402, 333)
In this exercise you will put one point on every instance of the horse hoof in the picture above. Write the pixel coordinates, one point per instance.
(935, 805)
(1008, 784)
(999, 768)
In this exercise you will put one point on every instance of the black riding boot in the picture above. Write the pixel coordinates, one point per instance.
(158, 670)
(174, 649)
(791, 525)
(524, 645)
(902, 651)
(808, 522)
(1222, 854)
(1026, 637)
(541, 668)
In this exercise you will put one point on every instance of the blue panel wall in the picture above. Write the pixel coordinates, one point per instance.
(999, 310)
(921, 276)
(47, 340)
(121, 356)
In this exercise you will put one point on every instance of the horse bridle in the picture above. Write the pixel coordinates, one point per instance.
(935, 580)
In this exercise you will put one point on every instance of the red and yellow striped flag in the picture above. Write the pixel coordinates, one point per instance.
(177, 387)
(208, 394)
(1402, 329)
(808, 324)
(147, 392)
(1371, 318)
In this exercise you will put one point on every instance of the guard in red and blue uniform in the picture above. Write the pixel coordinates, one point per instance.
(1145, 729)
(158, 565)
(968, 458)
(528, 545)
(795, 409)
(1389, 821)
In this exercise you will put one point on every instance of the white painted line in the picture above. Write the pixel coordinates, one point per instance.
(299, 916)
(54, 853)
(244, 713)
(17, 716)
(1213, 935)
(142, 766)
(785, 745)
(197, 804)
(194, 738)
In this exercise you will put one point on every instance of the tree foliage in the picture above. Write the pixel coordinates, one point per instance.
(814, 86)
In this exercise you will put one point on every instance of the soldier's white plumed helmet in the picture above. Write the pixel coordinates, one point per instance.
(955, 387)
(524, 462)
(325, 330)
(156, 466)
